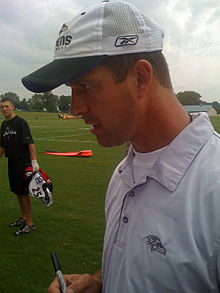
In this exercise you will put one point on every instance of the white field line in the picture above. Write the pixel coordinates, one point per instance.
(63, 140)
(63, 130)
(61, 137)
(54, 137)
(57, 138)
(37, 126)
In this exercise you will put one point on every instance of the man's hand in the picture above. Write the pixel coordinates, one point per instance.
(76, 283)
(35, 165)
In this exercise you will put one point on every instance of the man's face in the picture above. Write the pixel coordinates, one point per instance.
(7, 110)
(109, 107)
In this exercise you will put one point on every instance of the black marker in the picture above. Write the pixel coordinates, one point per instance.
(58, 272)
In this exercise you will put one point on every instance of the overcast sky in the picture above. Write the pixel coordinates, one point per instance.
(29, 28)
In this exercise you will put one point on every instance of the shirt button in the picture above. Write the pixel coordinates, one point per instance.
(131, 194)
(125, 220)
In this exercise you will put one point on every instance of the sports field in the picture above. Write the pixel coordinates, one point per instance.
(73, 226)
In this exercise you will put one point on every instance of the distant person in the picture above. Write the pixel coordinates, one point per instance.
(163, 201)
(18, 145)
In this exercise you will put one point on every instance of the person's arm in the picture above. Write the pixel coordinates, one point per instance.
(2, 150)
(76, 283)
(34, 162)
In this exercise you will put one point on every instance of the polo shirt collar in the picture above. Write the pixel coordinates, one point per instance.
(177, 157)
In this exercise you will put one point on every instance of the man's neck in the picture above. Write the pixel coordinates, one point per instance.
(164, 119)
(10, 117)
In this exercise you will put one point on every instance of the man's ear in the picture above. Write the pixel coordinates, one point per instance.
(144, 75)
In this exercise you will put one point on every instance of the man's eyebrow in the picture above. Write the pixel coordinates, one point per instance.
(78, 81)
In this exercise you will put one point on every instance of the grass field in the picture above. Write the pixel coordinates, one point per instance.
(73, 226)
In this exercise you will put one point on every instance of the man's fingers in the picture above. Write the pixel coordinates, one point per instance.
(76, 283)
(55, 285)
(69, 290)
(72, 278)
(82, 283)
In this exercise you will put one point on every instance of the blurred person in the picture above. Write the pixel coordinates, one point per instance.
(18, 146)
(163, 201)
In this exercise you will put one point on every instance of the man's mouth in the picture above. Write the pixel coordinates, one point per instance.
(94, 125)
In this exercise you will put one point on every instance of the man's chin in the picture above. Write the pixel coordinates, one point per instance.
(105, 143)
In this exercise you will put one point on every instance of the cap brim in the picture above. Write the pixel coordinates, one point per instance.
(58, 72)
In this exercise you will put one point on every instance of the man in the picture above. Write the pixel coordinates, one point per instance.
(163, 201)
(18, 145)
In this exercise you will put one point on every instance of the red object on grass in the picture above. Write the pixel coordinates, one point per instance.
(86, 153)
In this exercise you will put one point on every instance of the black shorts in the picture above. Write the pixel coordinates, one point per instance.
(15, 175)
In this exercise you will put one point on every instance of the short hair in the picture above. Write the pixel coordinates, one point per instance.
(120, 65)
(3, 100)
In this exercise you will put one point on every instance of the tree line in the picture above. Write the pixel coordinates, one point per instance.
(48, 102)
(194, 98)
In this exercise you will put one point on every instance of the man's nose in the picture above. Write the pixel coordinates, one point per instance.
(78, 105)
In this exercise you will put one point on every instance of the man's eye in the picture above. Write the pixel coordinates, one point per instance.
(85, 86)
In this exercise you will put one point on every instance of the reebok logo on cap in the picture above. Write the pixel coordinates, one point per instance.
(126, 40)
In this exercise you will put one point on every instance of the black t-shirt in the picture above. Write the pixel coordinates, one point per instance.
(15, 138)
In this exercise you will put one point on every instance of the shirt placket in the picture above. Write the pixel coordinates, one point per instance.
(125, 219)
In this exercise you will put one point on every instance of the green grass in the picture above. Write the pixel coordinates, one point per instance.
(74, 225)
(216, 123)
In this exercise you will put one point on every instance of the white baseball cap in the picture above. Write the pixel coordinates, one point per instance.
(106, 29)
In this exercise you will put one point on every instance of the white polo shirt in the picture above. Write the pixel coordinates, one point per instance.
(163, 232)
